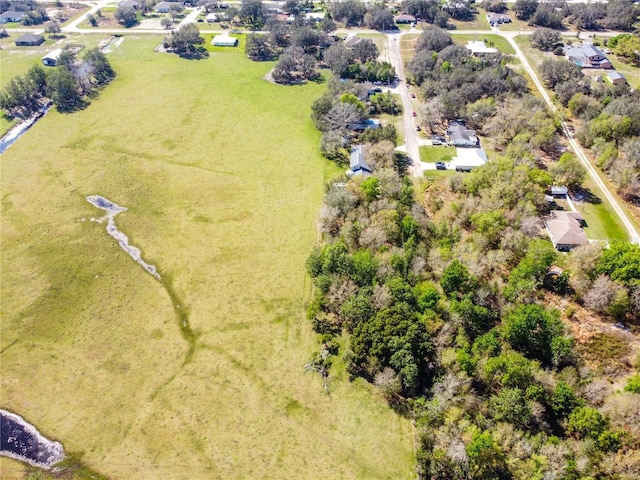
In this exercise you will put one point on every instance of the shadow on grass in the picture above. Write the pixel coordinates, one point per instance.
(199, 53)
(583, 195)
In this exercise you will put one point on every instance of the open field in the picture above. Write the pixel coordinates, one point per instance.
(202, 375)
(501, 43)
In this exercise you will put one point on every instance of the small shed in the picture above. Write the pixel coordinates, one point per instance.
(559, 190)
(11, 16)
(224, 41)
(51, 58)
(616, 78)
(29, 40)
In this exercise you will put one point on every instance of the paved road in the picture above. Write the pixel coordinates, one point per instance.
(408, 124)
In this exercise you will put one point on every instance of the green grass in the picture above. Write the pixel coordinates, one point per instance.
(222, 178)
(502, 44)
(436, 153)
(602, 223)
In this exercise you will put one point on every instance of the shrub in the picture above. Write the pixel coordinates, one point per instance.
(633, 384)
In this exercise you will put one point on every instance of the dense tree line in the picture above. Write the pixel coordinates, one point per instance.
(68, 85)
(614, 15)
(445, 297)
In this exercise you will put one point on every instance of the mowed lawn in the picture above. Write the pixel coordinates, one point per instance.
(221, 174)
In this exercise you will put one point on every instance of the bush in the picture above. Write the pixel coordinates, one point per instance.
(586, 422)
(564, 400)
(633, 384)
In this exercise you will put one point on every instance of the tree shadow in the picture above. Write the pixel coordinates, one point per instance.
(199, 53)
(581, 194)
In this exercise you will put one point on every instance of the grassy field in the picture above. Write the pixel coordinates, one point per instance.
(439, 153)
(222, 178)
(501, 43)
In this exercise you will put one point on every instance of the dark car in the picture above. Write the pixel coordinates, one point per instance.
(440, 166)
(418, 128)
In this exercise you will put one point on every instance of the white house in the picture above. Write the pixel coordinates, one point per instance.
(51, 58)
(479, 47)
(467, 159)
(211, 18)
(224, 41)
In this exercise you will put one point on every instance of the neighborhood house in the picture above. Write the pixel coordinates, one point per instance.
(357, 165)
(29, 40)
(404, 18)
(51, 58)
(467, 159)
(565, 230)
(587, 56)
(479, 47)
(11, 16)
(165, 7)
(461, 136)
(371, 124)
(496, 19)
(224, 41)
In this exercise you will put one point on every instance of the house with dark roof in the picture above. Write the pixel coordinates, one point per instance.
(29, 40)
(370, 124)
(357, 164)
(587, 56)
(616, 78)
(461, 136)
(11, 16)
(352, 41)
(496, 19)
(565, 230)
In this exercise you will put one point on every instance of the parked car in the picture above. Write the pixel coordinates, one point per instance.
(414, 114)
(440, 166)
(418, 128)
(436, 142)
(413, 95)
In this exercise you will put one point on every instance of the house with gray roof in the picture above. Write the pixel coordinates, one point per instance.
(165, 7)
(587, 56)
(358, 166)
(616, 78)
(11, 16)
(565, 230)
(29, 40)
(461, 136)
(496, 19)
